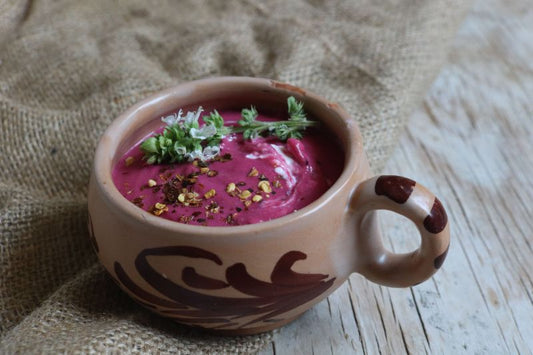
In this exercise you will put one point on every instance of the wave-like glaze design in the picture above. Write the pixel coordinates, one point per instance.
(92, 238)
(285, 291)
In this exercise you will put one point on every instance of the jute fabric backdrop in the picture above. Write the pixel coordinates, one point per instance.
(67, 68)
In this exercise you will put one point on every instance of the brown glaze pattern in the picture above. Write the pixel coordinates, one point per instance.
(437, 219)
(283, 275)
(285, 291)
(92, 238)
(193, 279)
(141, 294)
(440, 259)
(397, 188)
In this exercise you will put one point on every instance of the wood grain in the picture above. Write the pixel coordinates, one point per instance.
(471, 143)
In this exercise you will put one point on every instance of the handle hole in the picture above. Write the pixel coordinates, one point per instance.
(400, 234)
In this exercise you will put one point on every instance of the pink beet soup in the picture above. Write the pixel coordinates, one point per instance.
(251, 181)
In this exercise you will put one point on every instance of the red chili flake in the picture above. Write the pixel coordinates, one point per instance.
(230, 219)
(190, 180)
(138, 201)
(158, 209)
(165, 177)
(200, 220)
(185, 219)
(241, 183)
(213, 207)
(225, 157)
(171, 190)
(212, 204)
(197, 213)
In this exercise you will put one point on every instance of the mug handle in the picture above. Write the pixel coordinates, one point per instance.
(411, 200)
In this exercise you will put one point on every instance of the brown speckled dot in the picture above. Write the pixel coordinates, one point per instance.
(437, 218)
(396, 188)
(440, 259)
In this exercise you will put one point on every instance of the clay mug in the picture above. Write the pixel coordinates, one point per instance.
(253, 278)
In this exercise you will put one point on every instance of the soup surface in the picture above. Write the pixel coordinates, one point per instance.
(251, 181)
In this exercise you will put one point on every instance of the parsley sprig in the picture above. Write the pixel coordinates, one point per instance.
(184, 140)
(251, 128)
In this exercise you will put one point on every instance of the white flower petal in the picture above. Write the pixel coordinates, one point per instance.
(203, 132)
(193, 116)
(196, 133)
(170, 120)
(209, 131)
(210, 152)
(195, 154)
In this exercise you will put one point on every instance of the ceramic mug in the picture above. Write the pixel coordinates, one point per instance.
(253, 278)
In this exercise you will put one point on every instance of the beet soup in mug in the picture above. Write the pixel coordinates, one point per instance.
(230, 167)
(226, 267)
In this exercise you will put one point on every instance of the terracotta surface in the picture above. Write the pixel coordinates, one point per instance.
(252, 278)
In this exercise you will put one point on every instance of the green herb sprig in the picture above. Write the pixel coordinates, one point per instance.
(184, 140)
(251, 128)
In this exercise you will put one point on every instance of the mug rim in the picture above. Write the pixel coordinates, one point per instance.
(116, 133)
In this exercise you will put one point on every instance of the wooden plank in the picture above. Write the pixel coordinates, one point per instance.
(471, 143)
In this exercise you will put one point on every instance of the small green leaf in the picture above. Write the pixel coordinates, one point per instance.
(152, 159)
(249, 115)
(149, 145)
(295, 109)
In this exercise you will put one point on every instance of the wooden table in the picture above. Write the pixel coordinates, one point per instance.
(470, 142)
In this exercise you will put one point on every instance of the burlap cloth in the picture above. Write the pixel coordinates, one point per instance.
(67, 68)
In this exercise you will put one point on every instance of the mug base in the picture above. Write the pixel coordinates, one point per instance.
(247, 331)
